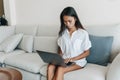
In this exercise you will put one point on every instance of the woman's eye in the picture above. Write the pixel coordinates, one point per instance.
(67, 21)
(70, 21)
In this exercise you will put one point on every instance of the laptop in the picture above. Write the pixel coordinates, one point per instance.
(51, 58)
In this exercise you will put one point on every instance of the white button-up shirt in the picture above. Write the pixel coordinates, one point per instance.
(74, 45)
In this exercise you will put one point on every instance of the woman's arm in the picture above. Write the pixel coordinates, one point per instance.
(60, 51)
(83, 55)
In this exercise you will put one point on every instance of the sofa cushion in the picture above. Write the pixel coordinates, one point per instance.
(98, 73)
(29, 62)
(114, 69)
(26, 43)
(46, 39)
(10, 43)
(107, 30)
(100, 50)
(6, 32)
(45, 43)
(3, 56)
(51, 31)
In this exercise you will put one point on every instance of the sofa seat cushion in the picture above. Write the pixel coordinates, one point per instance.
(29, 62)
(3, 55)
(90, 72)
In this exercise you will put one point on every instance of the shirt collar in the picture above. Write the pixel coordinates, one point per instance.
(67, 33)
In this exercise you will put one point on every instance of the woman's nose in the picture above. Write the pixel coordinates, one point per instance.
(67, 23)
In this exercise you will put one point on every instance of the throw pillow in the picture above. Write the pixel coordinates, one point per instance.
(114, 69)
(100, 50)
(10, 43)
(6, 32)
(26, 43)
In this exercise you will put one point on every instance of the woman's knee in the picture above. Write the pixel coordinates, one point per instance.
(51, 67)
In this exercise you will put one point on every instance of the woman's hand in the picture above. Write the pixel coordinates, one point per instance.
(68, 60)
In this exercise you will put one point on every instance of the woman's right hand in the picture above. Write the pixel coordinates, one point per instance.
(67, 60)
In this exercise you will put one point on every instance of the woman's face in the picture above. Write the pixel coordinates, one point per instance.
(69, 21)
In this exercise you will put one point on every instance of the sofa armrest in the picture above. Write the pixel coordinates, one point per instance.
(114, 69)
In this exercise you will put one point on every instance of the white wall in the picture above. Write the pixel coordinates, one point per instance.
(46, 12)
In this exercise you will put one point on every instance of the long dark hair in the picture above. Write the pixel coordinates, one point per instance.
(69, 11)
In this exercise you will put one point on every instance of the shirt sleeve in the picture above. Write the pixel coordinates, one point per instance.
(59, 41)
(86, 42)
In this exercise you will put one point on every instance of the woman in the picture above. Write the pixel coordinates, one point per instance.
(73, 45)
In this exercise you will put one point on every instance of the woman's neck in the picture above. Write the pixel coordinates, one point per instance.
(71, 30)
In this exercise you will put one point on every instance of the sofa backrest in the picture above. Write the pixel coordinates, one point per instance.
(46, 38)
(26, 29)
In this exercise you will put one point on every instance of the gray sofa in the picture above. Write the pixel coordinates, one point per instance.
(25, 59)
